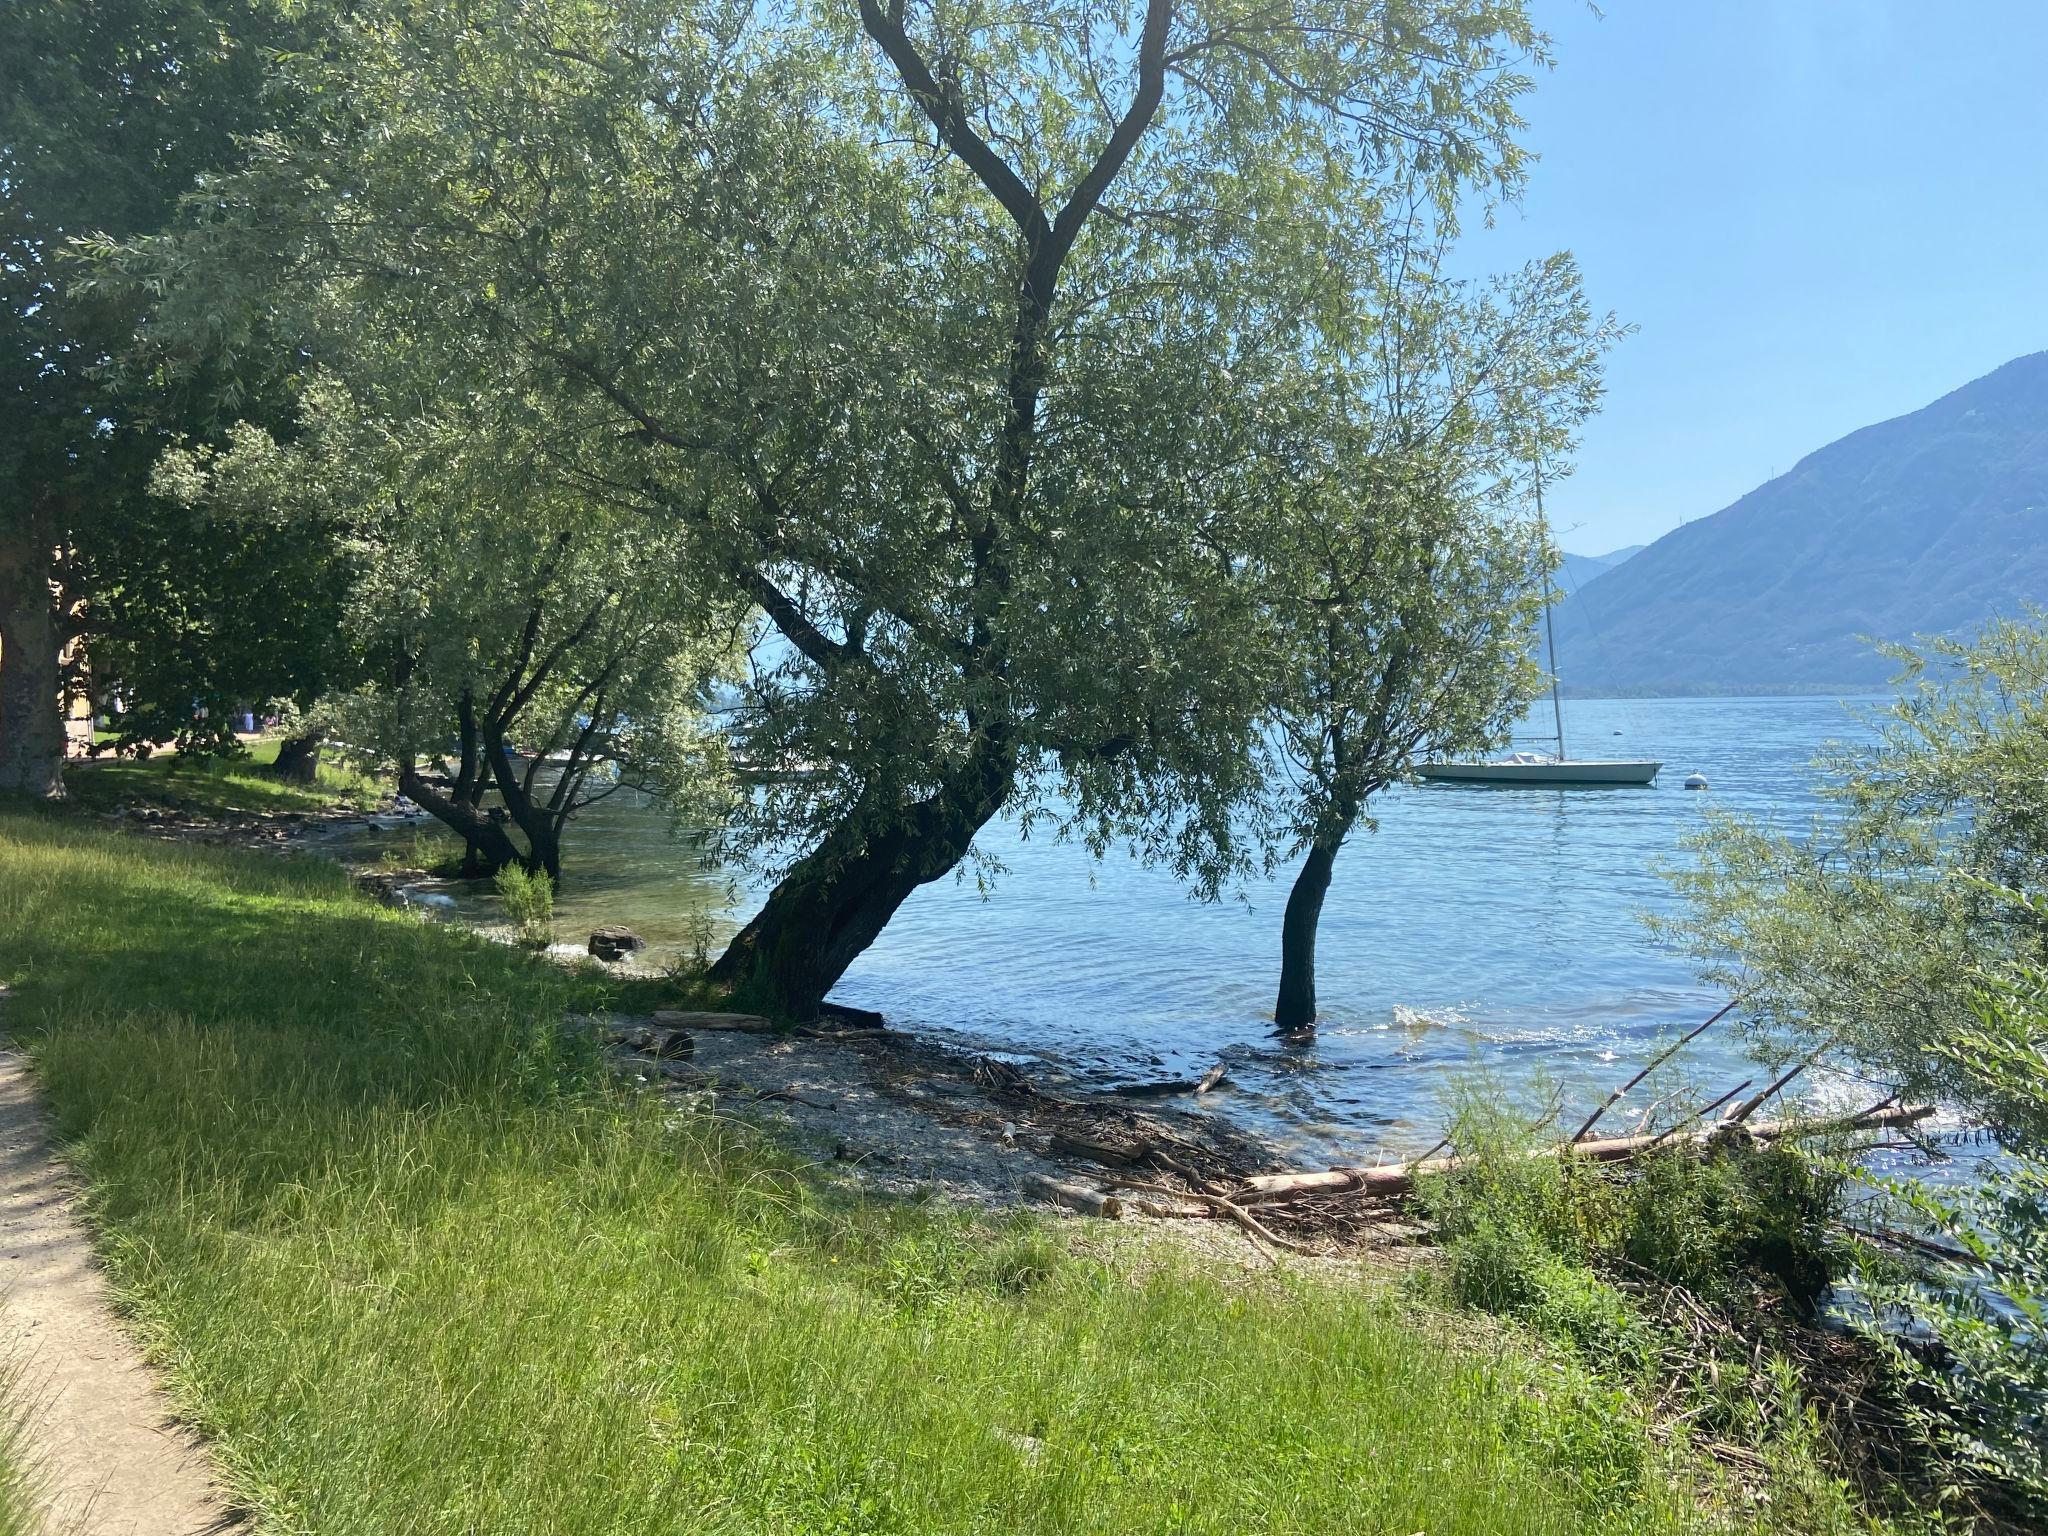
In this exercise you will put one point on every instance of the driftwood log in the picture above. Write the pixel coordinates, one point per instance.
(680, 1018)
(1075, 1197)
(1399, 1178)
(755, 1024)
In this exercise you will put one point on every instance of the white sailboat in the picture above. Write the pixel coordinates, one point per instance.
(1536, 769)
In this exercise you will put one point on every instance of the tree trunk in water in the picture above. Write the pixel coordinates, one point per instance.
(1294, 1012)
(298, 758)
(837, 899)
(545, 858)
(31, 706)
(488, 847)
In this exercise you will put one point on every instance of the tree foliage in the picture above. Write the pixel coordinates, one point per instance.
(1403, 568)
(963, 344)
(1875, 929)
(110, 112)
(519, 641)
(1907, 932)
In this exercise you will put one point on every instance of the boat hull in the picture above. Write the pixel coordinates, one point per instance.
(1540, 774)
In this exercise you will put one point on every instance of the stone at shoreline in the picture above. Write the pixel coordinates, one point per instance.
(613, 942)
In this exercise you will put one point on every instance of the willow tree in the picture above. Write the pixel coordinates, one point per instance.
(955, 341)
(1405, 573)
(526, 652)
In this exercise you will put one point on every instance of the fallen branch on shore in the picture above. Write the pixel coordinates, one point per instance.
(1228, 1207)
(850, 1027)
(1399, 1178)
(1075, 1197)
(682, 1018)
(1656, 1061)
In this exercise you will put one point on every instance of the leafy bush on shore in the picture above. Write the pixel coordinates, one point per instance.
(1971, 1333)
(1715, 1222)
(1685, 1273)
(529, 899)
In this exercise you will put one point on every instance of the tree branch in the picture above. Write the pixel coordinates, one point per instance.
(942, 104)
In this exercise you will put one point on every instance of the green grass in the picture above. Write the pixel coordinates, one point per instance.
(20, 1509)
(212, 786)
(418, 1270)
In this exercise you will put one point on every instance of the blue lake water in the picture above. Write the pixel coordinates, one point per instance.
(1476, 929)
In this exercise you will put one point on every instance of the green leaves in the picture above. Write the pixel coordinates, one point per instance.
(1879, 925)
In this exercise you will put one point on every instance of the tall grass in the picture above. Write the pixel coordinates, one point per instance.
(419, 1269)
(20, 1480)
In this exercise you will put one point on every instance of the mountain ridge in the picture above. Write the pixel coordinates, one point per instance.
(1928, 523)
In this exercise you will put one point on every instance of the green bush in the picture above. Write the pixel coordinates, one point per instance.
(1971, 1336)
(1713, 1223)
(1530, 1236)
(529, 898)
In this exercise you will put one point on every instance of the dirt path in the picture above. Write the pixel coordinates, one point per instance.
(110, 1459)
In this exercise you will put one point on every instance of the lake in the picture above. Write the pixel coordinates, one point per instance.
(1477, 930)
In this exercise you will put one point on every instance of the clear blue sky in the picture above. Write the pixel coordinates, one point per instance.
(1818, 213)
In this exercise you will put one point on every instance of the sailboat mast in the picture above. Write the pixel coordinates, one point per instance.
(1549, 624)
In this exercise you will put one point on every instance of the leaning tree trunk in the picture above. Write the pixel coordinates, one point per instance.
(1294, 1012)
(835, 901)
(298, 758)
(487, 846)
(31, 701)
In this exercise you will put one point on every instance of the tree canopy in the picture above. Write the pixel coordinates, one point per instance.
(1873, 932)
(110, 113)
(967, 347)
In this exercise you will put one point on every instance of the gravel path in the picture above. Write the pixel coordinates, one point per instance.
(107, 1453)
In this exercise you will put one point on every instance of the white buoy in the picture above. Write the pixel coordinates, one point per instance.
(1695, 781)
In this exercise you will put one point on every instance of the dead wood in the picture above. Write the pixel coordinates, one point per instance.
(1657, 1061)
(1399, 1178)
(1075, 1197)
(1228, 1207)
(681, 1018)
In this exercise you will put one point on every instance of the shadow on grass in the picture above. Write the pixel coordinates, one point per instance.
(210, 786)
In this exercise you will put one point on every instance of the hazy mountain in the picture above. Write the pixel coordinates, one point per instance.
(1926, 524)
(1577, 570)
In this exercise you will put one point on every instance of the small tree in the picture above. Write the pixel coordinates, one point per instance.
(529, 650)
(1870, 933)
(1405, 580)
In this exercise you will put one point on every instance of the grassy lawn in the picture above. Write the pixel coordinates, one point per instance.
(419, 1269)
(211, 786)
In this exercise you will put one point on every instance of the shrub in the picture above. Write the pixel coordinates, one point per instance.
(1972, 1335)
(529, 898)
(1711, 1222)
(1528, 1236)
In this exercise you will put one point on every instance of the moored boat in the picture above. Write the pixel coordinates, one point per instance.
(1529, 768)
